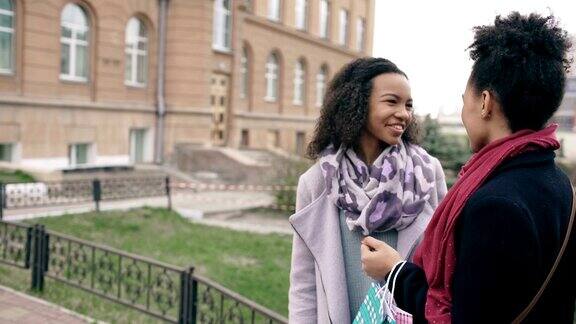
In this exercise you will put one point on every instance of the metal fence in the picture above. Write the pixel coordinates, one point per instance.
(166, 292)
(51, 193)
(46, 194)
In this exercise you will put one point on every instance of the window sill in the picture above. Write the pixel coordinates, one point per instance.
(136, 86)
(71, 79)
(271, 100)
(7, 73)
(222, 50)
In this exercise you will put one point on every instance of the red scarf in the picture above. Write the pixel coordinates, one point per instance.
(436, 254)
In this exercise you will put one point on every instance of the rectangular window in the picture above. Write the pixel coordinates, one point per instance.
(80, 154)
(245, 138)
(222, 25)
(6, 152)
(300, 142)
(138, 145)
(6, 43)
(343, 38)
(6, 38)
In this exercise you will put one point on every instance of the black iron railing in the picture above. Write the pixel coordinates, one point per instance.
(166, 292)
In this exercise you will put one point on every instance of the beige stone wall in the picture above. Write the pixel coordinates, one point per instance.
(44, 114)
(46, 135)
(38, 50)
(189, 54)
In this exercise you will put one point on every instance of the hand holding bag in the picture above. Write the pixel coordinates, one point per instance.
(379, 306)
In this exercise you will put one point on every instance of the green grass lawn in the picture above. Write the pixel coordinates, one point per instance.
(256, 266)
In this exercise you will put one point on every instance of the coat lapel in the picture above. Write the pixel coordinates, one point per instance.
(318, 226)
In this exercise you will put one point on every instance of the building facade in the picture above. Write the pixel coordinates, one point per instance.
(98, 82)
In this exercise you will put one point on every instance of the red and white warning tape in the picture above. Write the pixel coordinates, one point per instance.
(227, 187)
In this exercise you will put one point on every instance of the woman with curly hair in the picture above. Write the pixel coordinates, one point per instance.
(499, 247)
(370, 178)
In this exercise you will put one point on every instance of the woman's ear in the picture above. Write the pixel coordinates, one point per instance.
(488, 103)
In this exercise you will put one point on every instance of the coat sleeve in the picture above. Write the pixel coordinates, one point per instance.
(410, 291)
(302, 295)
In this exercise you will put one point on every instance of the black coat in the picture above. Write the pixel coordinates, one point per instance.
(507, 238)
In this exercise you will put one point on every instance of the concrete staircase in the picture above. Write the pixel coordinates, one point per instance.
(227, 165)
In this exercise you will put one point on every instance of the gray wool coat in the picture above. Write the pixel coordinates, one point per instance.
(318, 292)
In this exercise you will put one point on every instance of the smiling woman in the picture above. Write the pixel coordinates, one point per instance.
(370, 178)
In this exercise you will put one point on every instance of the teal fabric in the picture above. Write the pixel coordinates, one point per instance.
(357, 282)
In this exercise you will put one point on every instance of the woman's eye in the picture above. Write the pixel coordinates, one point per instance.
(391, 101)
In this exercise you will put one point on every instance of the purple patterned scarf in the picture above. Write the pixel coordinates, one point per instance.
(388, 195)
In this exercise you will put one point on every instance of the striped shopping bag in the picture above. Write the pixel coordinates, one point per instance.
(372, 309)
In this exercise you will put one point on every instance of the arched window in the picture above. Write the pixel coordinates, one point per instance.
(272, 77)
(274, 9)
(324, 18)
(343, 36)
(74, 40)
(299, 82)
(301, 10)
(360, 31)
(6, 36)
(222, 27)
(136, 53)
(244, 73)
(321, 78)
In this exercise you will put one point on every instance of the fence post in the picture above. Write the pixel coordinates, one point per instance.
(29, 240)
(168, 192)
(97, 193)
(188, 298)
(39, 257)
(2, 199)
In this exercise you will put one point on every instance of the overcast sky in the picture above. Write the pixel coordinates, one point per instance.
(428, 40)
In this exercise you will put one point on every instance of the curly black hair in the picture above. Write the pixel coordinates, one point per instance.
(522, 60)
(344, 113)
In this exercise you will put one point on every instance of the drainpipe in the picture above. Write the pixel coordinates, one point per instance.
(160, 100)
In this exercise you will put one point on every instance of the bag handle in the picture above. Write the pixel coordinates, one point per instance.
(394, 280)
(526, 311)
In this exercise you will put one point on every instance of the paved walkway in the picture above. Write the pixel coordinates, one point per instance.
(21, 308)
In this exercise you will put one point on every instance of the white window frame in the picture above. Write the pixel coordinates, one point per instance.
(9, 30)
(360, 34)
(343, 27)
(274, 10)
(272, 78)
(147, 145)
(73, 42)
(299, 83)
(89, 154)
(301, 14)
(324, 19)
(222, 26)
(244, 74)
(321, 77)
(133, 51)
